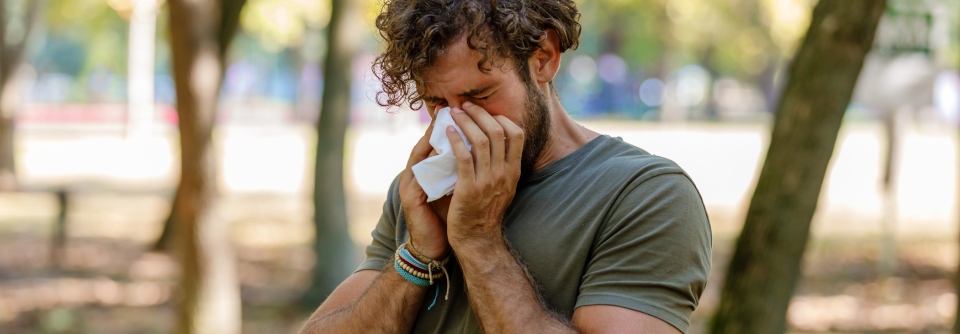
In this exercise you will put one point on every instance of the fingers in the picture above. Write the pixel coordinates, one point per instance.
(493, 130)
(465, 162)
(478, 140)
(514, 134)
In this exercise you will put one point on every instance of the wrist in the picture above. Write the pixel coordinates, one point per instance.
(482, 257)
(433, 253)
(478, 244)
(484, 235)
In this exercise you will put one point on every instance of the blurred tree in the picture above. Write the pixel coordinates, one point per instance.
(276, 25)
(332, 244)
(766, 264)
(956, 285)
(200, 34)
(13, 41)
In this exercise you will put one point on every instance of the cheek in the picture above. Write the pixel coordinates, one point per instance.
(511, 107)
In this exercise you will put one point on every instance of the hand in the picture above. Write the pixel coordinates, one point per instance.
(442, 204)
(428, 232)
(488, 174)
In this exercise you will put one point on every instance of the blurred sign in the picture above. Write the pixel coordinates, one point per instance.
(904, 32)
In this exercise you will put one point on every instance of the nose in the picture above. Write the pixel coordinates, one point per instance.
(455, 104)
(452, 103)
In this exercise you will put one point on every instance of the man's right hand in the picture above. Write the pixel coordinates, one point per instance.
(428, 232)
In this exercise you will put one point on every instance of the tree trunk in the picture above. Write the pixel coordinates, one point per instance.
(766, 264)
(140, 68)
(893, 133)
(956, 278)
(230, 15)
(59, 239)
(166, 232)
(333, 246)
(11, 54)
(210, 297)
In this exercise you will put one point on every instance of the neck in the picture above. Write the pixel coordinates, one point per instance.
(566, 136)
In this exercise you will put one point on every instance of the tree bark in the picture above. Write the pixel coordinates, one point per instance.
(210, 294)
(230, 21)
(333, 246)
(11, 55)
(766, 264)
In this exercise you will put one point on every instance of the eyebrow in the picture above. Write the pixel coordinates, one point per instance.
(470, 93)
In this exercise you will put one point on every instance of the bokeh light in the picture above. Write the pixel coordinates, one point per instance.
(651, 92)
(583, 69)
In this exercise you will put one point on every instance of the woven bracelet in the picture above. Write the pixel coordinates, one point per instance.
(419, 260)
(409, 277)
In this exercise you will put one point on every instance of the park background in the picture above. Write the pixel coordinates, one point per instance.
(96, 153)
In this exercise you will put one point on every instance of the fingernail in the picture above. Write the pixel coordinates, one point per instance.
(457, 110)
(451, 129)
(467, 104)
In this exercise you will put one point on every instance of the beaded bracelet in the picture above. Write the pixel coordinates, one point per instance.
(415, 269)
(411, 263)
(416, 272)
(409, 277)
(414, 257)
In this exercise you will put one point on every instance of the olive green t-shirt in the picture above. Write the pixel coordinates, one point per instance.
(608, 224)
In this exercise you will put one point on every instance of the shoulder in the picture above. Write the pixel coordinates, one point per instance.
(621, 160)
(652, 187)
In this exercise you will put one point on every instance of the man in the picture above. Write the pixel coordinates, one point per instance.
(553, 227)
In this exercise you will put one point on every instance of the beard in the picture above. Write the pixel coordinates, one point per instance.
(536, 128)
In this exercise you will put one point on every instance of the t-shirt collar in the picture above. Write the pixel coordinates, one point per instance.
(565, 162)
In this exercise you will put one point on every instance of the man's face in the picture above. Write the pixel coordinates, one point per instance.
(455, 79)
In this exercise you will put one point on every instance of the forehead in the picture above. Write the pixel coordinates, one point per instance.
(456, 69)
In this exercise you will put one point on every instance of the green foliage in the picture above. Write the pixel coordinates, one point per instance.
(85, 31)
(280, 24)
(732, 37)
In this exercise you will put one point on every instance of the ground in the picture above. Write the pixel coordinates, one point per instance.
(859, 276)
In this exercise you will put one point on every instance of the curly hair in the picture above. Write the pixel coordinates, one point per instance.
(417, 32)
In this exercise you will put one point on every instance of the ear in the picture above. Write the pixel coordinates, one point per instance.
(545, 62)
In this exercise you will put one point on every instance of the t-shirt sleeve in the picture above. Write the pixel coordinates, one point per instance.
(384, 244)
(652, 254)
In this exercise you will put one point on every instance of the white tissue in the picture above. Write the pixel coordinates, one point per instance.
(438, 174)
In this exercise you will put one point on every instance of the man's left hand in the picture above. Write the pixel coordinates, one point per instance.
(488, 174)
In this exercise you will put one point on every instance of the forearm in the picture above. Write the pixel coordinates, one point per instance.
(389, 305)
(501, 293)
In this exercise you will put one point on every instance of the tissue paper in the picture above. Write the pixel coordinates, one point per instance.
(438, 174)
